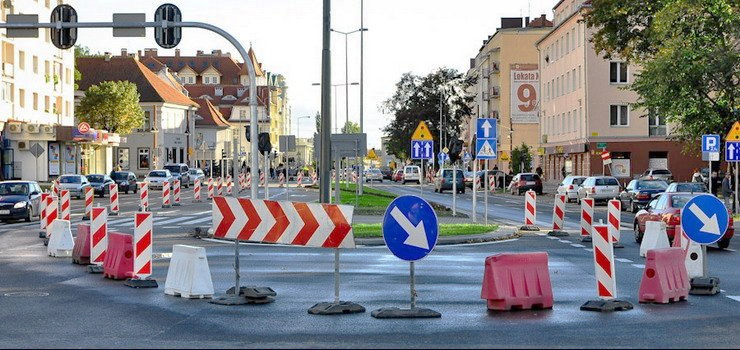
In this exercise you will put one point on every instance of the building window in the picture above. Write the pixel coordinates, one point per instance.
(575, 121)
(22, 98)
(578, 30)
(143, 158)
(46, 104)
(67, 76)
(36, 64)
(147, 125)
(568, 123)
(35, 101)
(46, 71)
(567, 82)
(579, 76)
(619, 115)
(573, 81)
(618, 72)
(656, 124)
(22, 60)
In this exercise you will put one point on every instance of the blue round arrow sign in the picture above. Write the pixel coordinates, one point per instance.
(410, 228)
(704, 219)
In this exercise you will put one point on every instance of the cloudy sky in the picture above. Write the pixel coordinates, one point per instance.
(403, 36)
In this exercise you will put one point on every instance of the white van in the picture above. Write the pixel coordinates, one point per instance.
(411, 173)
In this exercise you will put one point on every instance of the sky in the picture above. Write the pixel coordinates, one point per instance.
(415, 36)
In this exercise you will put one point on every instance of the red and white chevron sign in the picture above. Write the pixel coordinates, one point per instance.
(294, 223)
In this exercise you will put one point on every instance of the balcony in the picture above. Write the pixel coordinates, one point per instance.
(495, 92)
(494, 68)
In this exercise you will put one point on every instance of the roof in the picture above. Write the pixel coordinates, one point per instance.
(210, 114)
(257, 65)
(225, 65)
(151, 87)
(196, 91)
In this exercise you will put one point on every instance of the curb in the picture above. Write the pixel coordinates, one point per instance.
(503, 233)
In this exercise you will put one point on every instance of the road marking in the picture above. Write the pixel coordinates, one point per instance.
(734, 297)
(479, 243)
(639, 266)
(197, 221)
(564, 241)
(169, 221)
(577, 245)
(552, 238)
(588, 250)
(623, 260)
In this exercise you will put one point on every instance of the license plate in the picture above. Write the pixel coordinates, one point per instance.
(530, 182)
(4, 212)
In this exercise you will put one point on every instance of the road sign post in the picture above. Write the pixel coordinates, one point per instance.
(710, 152)
(410, 231)
(422, 147)
(704, 220)
(486, 148)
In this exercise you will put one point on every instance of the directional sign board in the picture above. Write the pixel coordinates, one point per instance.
(422, 149)
(443, 157)
(710, 143)
(410, 228)
(467, 157)
(704, 219)
(732, 151)
(485, 142)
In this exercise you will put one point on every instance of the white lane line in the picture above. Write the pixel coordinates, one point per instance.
(734, 297)
(164, 222)
(541, 234)
(553, 238)
(588, 250)
(197, 221)
(577, 245)
(564, 241)
(475, 244)
(202, 213)
(623, 260)
(639, 266)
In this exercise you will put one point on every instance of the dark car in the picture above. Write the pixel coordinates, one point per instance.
(125, 180)
(99, 183)
(443, 181)
(524, 182)
(180, 172)
(387, 172)
(638, 193)
(19, 200)
(667, 208)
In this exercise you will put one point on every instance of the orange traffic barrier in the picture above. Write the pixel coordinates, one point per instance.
(81, 251)
(119, 256)
(517, 281)
(665, 278)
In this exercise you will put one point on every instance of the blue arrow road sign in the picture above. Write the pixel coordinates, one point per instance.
(443, 157)
(732, 151)
(710, 143)
(421, 149)
(410, 228)
(486, 149)
(704, 219)
(467, 157)
(486, 128)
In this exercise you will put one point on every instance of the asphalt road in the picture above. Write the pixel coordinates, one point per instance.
(49, 302)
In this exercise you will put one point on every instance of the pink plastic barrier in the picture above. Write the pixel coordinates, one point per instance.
(517, 281)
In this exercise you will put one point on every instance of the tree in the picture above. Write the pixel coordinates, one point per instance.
(417, 98)
(318, 123)
(112, 106)
(521, 156)
(689, 51)
(351, 128)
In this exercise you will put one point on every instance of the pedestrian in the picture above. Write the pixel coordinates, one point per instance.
(697, 177)
(562, 170)
(727, 191)
(539, 171)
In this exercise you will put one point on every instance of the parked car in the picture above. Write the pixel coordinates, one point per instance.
(600, 188)
(196, 173)
(99, 183)
(156, 178)
(373, 175)
(19, 200)
(180, 172)
(443, 180)
(569, 187)
(397, 175)
(698, 187)
(75, 184)
(639, 193)
(126, 181)
(657, 174)
(667, 208)
(411, 173)
(468, 180)
(523, 182)
(387, 172)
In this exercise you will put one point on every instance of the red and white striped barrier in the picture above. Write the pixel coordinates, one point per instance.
(42, 214)
(98, 235)
(64, 205)
(558, 212)
(248, 181)
(354, 177)
(219, 186)
(587, 218)
(143, 196)
(491, 183)
(143, 245)
(113, 194)
(210, 188)
(476, 183)
(240, 179)
(299, 180)
(294, 223)
(89, 194)
(262, 179)
(614, 218)
(176, 192)
(606, 283)
(229, 185)
(196, 190)
(281, 180)
(55, 188)
(166, 194)
(314, 178)
(530, 210)
(52, 213)
(430, 177)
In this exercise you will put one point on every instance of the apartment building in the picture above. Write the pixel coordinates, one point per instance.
(36, 101)
(508, 86)
(586, 109)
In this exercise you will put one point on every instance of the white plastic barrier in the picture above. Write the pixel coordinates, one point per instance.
(189, 275)
(655, 237)
(61, 242)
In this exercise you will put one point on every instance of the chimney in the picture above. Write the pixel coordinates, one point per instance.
(177, 52)
(124, 52)
(138, 53)
(472, 63)
(107, 56)
(526, 21)
(199, 53)
(152, 52)
(216, 52)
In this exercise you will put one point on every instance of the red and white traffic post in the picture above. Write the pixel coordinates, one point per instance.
(558, 214)
(42, 215)
(281, 180)
(52, 213)
(64, 205)
(166, 194)
(262, 179)
(113, 194)
(196, 190)
(89, 195)
(587, 217)
(606, 282)
(229, 185)
(614, 218)
(492, 183)
(299, 179)
(98, 239)
(220, 186)
(530, 212)
(143, 223)
(248, 181)
(176, 193)
(143, 196)
(55, 188)
(210, 188)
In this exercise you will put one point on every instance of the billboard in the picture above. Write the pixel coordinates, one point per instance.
(525, 91)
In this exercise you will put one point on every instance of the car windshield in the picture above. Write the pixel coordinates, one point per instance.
(157, 174)
(691, 187)
(95, 178)
(661, 172)
(194, 171)
(578, 180)
(680, 200)
(70, 179)
(528, 177)
(374, 171)
(8, 189)
(173, 168)
(119, 176)
(605, 181)
(652, 185)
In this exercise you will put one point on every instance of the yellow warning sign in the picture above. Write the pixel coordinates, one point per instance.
(422, 132)
(371, 154)
(504, 156)
(734, 134)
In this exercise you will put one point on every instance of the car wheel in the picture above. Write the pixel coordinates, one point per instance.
(633, 207)
(125, 192)
(29, 210)
(638, 234)
(436, 190)
(723, 243)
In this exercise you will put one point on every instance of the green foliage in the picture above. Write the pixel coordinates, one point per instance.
(317, 118)
(690, 58)
(519, 156)
(417, 98)
(113, 106)
(375, 230)
(351, 128)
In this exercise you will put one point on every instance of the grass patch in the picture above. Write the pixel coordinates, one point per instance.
(374, 230)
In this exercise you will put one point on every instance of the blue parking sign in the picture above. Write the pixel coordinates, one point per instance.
(710, 143)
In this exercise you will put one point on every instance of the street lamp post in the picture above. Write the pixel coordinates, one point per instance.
(336, 120)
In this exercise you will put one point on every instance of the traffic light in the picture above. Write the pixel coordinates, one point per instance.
(455, 150)
(223, 153)
(264, 143)
(248, 131)
(63, 38)
(168, 37)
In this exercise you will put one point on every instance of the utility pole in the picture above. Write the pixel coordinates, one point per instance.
(325, 155)
(362, 88)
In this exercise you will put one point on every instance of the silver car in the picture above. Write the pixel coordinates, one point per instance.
(156, 179)
(569, 187)
(75, 184)
(599, 188)
(657, 174)
(196, 173)
(373, 175)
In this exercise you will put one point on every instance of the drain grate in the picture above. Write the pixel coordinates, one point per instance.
(26, 294)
